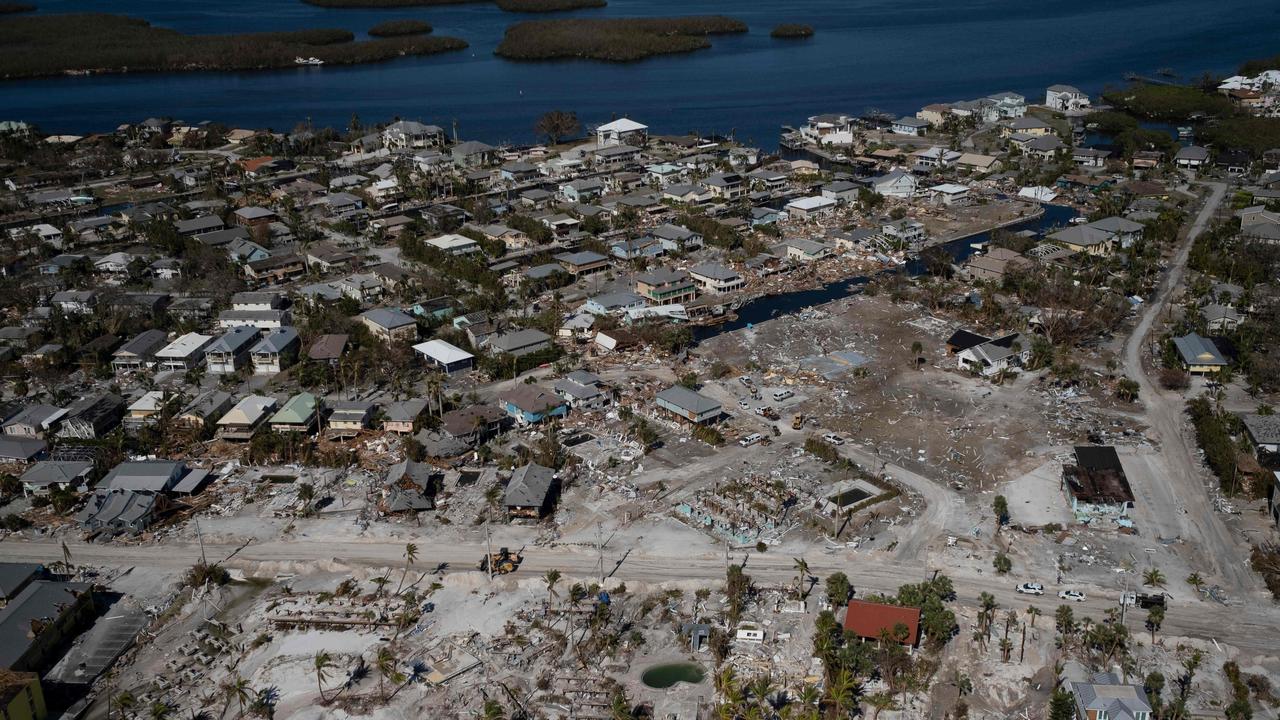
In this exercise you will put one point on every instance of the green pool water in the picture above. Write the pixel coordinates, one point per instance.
(664, 676)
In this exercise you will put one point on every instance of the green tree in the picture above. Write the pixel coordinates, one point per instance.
(1000, 507)
(1002, 564)
(1155, 618)
(1060, 705)
(1153, 578)
(551, 577)
(323, 662)
(557, 125)
(838, 588)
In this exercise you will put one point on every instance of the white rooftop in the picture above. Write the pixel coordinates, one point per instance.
(442, 352)
(184, 346)
(623, 125)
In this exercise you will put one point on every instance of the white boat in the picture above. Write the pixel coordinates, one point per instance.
(308, 61)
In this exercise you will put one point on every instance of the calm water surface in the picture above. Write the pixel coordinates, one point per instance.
(882, 54)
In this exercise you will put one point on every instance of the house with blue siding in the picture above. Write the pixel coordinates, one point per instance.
(530, 404)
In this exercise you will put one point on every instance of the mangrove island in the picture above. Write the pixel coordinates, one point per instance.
(792, 31)
(398, 28)
(39, 45)
(507, 5)
(614, 40)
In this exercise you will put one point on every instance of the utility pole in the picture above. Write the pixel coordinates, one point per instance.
(599, 553)
(200, 536)
(488, 543)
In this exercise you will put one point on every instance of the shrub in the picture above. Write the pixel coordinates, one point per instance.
(792, 30)
(1174, 379)
(14, 522)
(202, 573)
(1002, 564)
(708, 435)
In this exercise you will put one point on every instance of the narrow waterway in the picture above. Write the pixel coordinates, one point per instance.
(960, 249)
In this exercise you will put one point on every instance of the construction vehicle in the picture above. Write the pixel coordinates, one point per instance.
(504, 561)
(797, 422)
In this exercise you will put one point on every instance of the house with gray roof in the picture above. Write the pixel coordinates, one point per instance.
(689, 405)
(530, 493)
(1104, 697)
(277, 350)
(48, 474)
(1199, 355)
(519, 342)
(147, 475)
(389, 325)
(230, 352)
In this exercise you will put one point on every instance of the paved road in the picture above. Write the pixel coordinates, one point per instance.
(1249, 627)
(1175, 484)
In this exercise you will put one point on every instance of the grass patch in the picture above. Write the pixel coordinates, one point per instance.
(792, 30)
(621, 40)
(1170, 103)
(398, 28)
(87, 42)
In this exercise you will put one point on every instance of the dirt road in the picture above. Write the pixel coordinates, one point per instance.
(1175, 486)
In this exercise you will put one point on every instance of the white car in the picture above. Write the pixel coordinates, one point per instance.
(1075, 595)
(833, 438)
(1030, 589)
(744, 405)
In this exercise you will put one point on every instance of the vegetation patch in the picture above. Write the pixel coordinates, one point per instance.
(88, 42)
(620, 40)
(11, 8)
(1170, 103)
(1244, 132)
(548, 5)
(792, 30)
(397, 28)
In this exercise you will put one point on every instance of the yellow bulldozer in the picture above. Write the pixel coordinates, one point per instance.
(504, 561)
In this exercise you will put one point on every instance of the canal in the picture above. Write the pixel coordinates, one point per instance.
(771, 306)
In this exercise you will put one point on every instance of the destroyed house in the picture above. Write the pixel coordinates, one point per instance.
(410, 487)
(530, 493)
(1096, 484)
(40, 620)
(119, 510)
(92, 416)
(530, 404)
(876, 621)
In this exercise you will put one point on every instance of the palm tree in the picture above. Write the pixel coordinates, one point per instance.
(125, 702)
(1153, 578)
(988, 612)
(1033, 612)
(1006, 649)
(841, 692)
(881, 701)
(381, 582)
(551, 577)
(1195, 581)
(236, 690)
(493, 496)
(386, 664)
(802, 572)
(323, 662)
(809, 696)
(159, 710)
(761, 687)
(410, 554)
(1155, 618)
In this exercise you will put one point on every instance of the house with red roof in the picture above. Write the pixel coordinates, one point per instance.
(868, 620)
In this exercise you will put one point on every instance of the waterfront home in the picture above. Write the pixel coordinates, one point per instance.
(1200, 356)
(769, 179)
(1085, 238)
(230, 352)
(763, 216)
(1065, 98)
(664, 174)
(1009, 104)
(389, 324)
(663, 286)
(689, 405)
(842, 191)
(935, 157)
(1032, 126)
(993, 264)
(934, 113)
(716, 278)
(300, 413)
(1192, 157)
(1045, 147)
(616, 303)
(623, 131)
(1090, 157)
(583, 262)
(582, 190)
(726, 186)
(276, 351)
(184, 353)
(472, 154)
(444, 356)
(828, 128)
(905, 232)
(408, 135)
(801, 250)
(949, 194)
(244, 419)
(909, 126)
(530, 404)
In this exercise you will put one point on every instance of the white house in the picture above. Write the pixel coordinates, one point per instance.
(1065, 98)
(909, 126)
(809, 208)
(445, 356)
(899, 184)
(949, 194)
(455, 244)
(715, 278)
(622, 131)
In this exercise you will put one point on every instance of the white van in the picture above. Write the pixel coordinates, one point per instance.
(750, 440)
(780, 395)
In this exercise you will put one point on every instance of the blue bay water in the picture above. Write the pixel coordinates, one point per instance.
(886, 54)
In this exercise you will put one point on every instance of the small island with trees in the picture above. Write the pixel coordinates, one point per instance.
(792, 31)
(507, 5)
(82, 43)
(400, 28)
(9, 8)
(613, 40)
